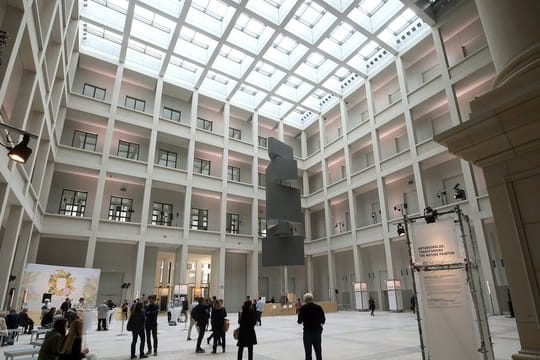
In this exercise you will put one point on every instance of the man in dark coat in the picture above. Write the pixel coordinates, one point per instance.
(152, 312)
(201, 315)
(52, 344)
(312, 316)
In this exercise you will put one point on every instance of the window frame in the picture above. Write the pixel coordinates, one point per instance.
(84, 143)
(167, 160)
(260, 232)
(235, 133)
(201, 221)
(201, 167)
(158, 219)
(121, 215)
(128, 152)
(135, 102)
(231, 173)
(172, 112)
(232, 222)
(204, 124)
(265, 142)
(94, 88)
(63, 210)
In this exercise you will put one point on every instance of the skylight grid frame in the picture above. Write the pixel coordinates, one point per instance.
(265, 76)
(269, 10)
(272, 110)
(101, 12)
(218, 85)
(171, 8)
(231, 61)
(252, 41)
(194, 46)
(182, 72)
(300, 26)
(100, 41)
(146, 29)
(285, 51)
(144, 56)
(399, 25)
(212, 16)
(343, 50)
(249, 96)
(316, 74)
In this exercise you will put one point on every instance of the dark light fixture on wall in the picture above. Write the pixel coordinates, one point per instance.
(4, 37)
(20, 152)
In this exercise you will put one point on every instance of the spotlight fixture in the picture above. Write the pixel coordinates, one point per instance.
(459, 194)
(400, 229)
(20, 152)
(430, 215)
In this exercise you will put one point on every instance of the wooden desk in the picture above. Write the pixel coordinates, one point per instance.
(28, 352)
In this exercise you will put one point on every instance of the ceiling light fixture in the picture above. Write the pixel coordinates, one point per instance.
(20, 152)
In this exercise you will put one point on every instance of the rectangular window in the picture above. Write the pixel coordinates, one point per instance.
(94, 92)
(235, 133)
(262, 227)
(262, 179)
(84, 140)
(120, 209)
(199, 219)
(162, 214)
(263, 141)
(167, 158)
(201, 166)
(171, 114)
(134, 103)
(128, 150)
(204, 124)
(73, 203)
(233, 223)
(233, 173)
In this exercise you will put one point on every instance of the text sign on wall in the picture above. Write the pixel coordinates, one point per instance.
(435, 243)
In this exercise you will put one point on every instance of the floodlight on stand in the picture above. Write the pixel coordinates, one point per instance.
(459, 193)
(20, 152)
(400, 229)
(430, 215)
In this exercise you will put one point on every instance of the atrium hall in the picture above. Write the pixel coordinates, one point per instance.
(149, 121)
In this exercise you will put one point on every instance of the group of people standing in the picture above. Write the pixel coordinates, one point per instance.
(143, 324)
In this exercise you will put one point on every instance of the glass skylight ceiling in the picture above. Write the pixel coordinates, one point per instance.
(289, 60)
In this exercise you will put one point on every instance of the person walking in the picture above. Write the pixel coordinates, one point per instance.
(152, 312)
(259, 307)
(371, 303)
(246, 333)
(102, 311)
(52, 344)
(192, 321)
(218, 324)
(201, 316)
(298, 305)
(312, 316)
(413, 304)
(136, 326)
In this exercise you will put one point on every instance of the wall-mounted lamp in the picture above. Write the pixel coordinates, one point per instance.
(20, 152)
(459, 194)
(4, 37)
(400, 229)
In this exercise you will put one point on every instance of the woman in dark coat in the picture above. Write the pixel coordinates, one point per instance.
(136, 326)
(218, 324)
(247, 337)
(72, 349)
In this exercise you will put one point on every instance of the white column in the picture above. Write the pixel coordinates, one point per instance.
(309, 270)
(20, 258)
(7, 249)
(139, 264)
(221, 275)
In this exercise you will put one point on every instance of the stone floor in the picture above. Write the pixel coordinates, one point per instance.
(347, 335)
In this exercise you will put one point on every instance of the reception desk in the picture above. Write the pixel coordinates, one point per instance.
(271, 309)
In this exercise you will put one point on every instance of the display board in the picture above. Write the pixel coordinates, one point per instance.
(444, 297)
(61, 282)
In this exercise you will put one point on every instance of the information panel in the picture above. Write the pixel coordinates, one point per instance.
(435, 243)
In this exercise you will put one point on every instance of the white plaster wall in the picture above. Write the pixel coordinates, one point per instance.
(479, 180)
(137, 92)
(313, 143)
(245, 170)
(320, 278)
(335, 171)
(61, 181)
(339, 215)
(215, 161)
(181, 154)
(455, 38)
(388, 144)
(414, 77)
(244, 210)
(395, 195)
(215, 117)
(365, 204)
(235, 280)
(317, 225)
(362, 158)
(179, 105)
(213, 206)
(64, 252)
(295, 143)
(175, 198)
(434, 180)
(357, 114)
(72, 125)
(344, 265)
(149, 270)
(332, 129)
(374, 264)
(244, 127)
(297, 280)
(272, 277)
(380, 99)
(133, 191)
(94, 78)
(143, 141)
(315, 182)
